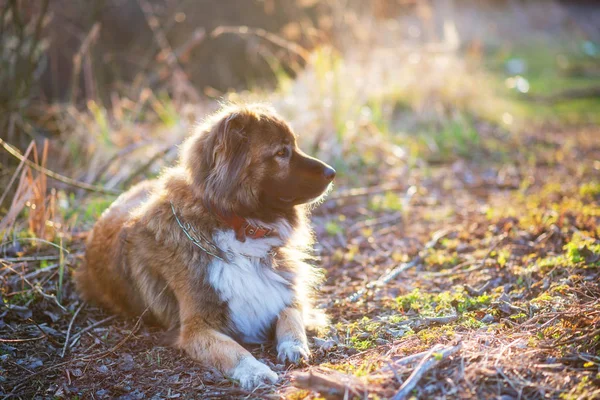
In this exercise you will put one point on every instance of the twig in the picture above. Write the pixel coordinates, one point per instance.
(148, 164)
(121, 153)
(33, 258)
(38, 289)
(180, 54)
(411, 359)
(89, 328)
(34, 240)
(327, 386)
(512, 307)
(166, 50)
(48, 335)
(21, 340)
(384, 279)
(441, 320)
(517, 391)
(89, 39)
(477, 292)
(426, 364)
(41, 271)
(39, 258)
(574, 337)
(51, 174)
(16, 173)
(64, 350)
(271, 37)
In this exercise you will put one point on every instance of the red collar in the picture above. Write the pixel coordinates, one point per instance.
(244, 229)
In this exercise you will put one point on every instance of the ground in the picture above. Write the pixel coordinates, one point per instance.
(507, 268)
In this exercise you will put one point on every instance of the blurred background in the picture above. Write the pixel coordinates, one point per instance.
(94, 77)
(85, 73)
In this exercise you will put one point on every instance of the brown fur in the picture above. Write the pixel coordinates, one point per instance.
(139, 261)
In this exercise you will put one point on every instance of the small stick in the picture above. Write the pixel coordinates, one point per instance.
(271, 37)
(327, 386)
(426, 364)
(41, 271)
(89, 328)
(21, 340)
(34, 258)
(410, 359)
(477, 292)
(38, 289)
(64, 350)
(442, 320)
(47, 336)
(16, 173)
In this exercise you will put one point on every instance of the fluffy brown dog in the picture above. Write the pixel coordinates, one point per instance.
(216, 248)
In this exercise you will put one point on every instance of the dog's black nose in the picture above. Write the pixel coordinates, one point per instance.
(329, 173)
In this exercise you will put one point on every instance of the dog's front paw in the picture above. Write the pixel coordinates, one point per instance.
(252, 373)
(292, 350)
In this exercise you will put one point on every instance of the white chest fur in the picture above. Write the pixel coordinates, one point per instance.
(254, 292)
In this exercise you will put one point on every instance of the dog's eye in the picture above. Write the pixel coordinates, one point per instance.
(283, 152)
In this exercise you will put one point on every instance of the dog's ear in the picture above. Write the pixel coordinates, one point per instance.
(229, 137)
(217, 159)
(225, 185)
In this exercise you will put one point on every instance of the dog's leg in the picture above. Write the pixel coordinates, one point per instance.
(291, 336)
(215, 349)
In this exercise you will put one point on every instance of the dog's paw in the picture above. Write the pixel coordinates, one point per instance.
(292, 350)
(252, 373)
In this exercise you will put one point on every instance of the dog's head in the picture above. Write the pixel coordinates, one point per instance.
(246, 159)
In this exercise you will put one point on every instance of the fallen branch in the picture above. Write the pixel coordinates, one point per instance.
(326, 385)
(426, 364)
